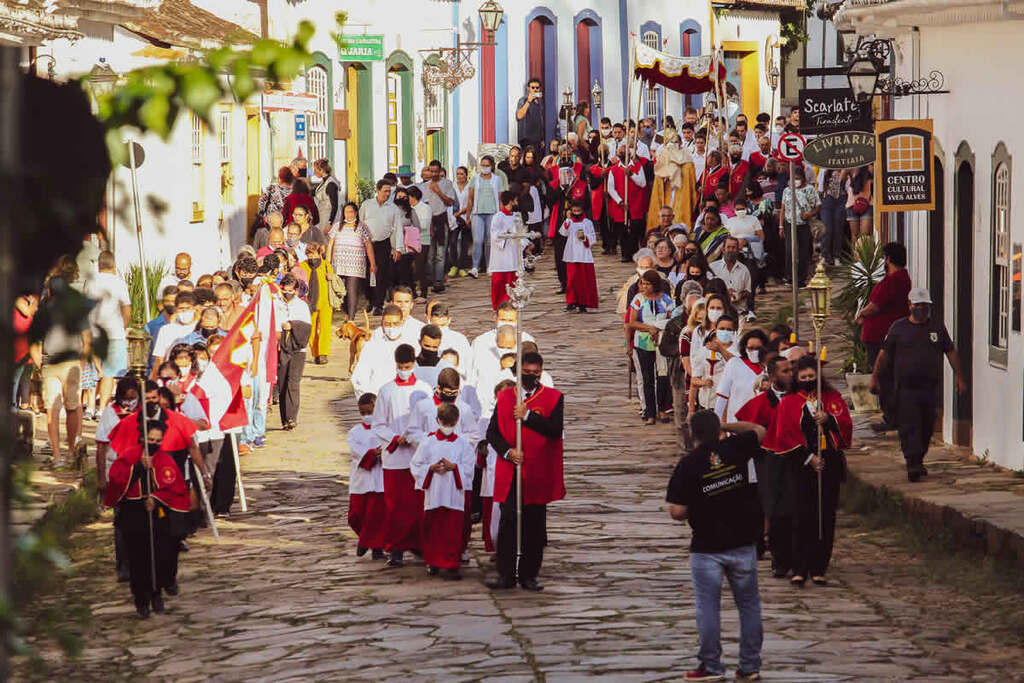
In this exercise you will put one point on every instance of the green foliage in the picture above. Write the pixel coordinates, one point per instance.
(155, 272)
(151, 98)
(365, 188)
(793, 28)
(39, 567)
(865, 265)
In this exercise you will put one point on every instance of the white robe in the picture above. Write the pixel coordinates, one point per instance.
(376, 366)
(423, 421)
(410, 333)
(444, 490)
(450, 339)
(577, 251)
(506, 254)
(360, 440)
(485, 355)
(391, 419)
(737, 386)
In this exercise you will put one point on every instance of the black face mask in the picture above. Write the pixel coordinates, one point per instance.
(169, 310)
(288, 296)
(152, 410)
(303, 172)
(530, 382)
(207, 333)
(808, 386)
(246, 281)
(428, 358)
(152, 448)
(447, 396)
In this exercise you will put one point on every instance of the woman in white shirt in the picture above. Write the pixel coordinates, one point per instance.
(460, 235)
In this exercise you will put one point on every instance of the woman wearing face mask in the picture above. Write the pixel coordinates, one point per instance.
(300, 196)
(794, 435)
(350, 253)
(485, 189)
(150, 497)
(711, 347)
(317, 270)
(807, 206)
(648, 313)
(740, 376)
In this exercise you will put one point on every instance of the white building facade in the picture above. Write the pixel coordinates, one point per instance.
(968, 251)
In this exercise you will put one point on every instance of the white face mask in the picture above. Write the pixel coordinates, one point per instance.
(754, 355)
(186, 317)
(391, 332)
(131, 405)
(485, 170)
(445, 430)
(404, 374)
(714, 314)
(641, 271)
(203, 365)
(741, 212)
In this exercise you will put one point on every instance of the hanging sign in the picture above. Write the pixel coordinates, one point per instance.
(904, 171)
(848, 149)
(365, 48)
(831, 110)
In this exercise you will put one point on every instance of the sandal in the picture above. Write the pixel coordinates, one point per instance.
(798, 580)
(819, 580)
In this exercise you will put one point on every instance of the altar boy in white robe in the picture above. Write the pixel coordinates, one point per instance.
(376, 361)
(367, 509)
(391, 425)
(443, 470)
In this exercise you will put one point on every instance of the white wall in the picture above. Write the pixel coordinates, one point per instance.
(969, 113)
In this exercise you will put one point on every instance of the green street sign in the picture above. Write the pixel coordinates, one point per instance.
(362, 48)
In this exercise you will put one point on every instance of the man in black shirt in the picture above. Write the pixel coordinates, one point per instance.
(710, 488)
(530, 118)
(912, 352)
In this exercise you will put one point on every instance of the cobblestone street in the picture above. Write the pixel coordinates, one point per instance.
(282, 596)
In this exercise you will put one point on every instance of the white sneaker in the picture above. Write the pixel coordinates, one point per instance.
(474, 273)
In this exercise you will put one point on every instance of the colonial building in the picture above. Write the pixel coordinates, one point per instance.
(967, 251)
(366, 105)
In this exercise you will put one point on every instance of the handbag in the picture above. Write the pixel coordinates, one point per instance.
(335, 291)
(411, 238)
(860, 206)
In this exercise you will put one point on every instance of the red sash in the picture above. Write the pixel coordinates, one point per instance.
(542, 456)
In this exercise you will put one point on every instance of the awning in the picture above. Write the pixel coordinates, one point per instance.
(688, 75)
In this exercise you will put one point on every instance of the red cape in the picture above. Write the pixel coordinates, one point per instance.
(177, 437)
(167, 484)
(758, 410)
(785, 435)
(542, 456)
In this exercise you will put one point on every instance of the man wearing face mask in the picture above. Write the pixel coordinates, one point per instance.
(912, 352)
(541, 411)
(374, 366)
(166, 315)
(291, 351)
(429, 355)
(184, 324)
(390, 424)
(402, 297)
(739, 169)
(208, 325)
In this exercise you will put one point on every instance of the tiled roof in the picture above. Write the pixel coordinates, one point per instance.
(179, 22)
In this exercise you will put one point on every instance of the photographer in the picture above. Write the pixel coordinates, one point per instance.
(710, 489)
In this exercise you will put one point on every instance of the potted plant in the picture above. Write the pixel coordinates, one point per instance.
(865, 265)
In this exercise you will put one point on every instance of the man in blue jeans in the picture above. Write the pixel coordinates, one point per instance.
(710, 488)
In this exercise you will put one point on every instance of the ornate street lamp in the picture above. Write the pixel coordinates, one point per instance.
(138, 351)
(567, 109)
(101, 80)
(773, 78)
(490, 15)
(595, 94)
(820, 288)
(862, 73)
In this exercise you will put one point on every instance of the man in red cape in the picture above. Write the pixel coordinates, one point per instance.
(541, 411)
(162, 495)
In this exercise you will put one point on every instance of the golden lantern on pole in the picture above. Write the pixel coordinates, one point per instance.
(138, 351)
(820, 288)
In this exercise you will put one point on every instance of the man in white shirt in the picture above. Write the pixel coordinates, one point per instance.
(735, 275)
(450, 339)
(376, 362)
(182, 271)
(401, 296)
(109, 317)
(184, 323)
(699, 154)
(295, 331)
(381, 218)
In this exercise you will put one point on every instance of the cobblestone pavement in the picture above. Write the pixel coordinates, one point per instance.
(282, 596)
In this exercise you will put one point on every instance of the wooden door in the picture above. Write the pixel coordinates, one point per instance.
(352, 75)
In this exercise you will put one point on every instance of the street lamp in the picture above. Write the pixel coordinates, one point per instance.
(490, 15)
(595, 94)
(567, 109)
(862, 73)
(773, 78)
(138, 351)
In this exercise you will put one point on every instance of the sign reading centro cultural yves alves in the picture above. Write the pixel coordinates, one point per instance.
(830, 110)
(904, 171)
(849, 149)
(365, 48)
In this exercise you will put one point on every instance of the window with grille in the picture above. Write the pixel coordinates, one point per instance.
(316, 84)
(224, 135)
(652, 40)
(198, 141)
(434, 106)
(1000, 322)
